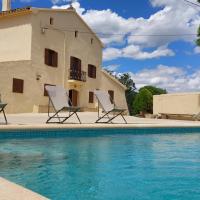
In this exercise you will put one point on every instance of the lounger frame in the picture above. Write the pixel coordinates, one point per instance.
(119, 112)
(2, 107)
(61, 119)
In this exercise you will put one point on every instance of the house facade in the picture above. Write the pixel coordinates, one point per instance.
(54, 47)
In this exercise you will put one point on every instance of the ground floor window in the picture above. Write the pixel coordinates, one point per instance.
(91, 97)
(45, 91)
(18, 85)
(111, 93)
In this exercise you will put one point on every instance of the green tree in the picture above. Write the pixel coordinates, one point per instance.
(130, 93)
(143, 102)
(155, 90)
(144, 99)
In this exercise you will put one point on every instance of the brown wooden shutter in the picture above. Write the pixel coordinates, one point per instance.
(91, 97)
(89, 71)
(79, 65)
(45, 92)
(111, 93)
(71, 62)
(75, 63)
(55, 59)
(94, 72)
(74, 98)
(18, 85)
(46, 56)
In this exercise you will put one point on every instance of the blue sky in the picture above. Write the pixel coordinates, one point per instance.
(164, 61)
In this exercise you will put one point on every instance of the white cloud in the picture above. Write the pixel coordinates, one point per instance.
(76, 5)
(112, 53)
(134, 52)
(173, 18)
(174, 79)
(128, 38)
(63, 1)
(197, 50)
(112, 67)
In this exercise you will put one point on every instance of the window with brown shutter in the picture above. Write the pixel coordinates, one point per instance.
(76, 34)
(51, 58)
(51, 21)
(45, 92)
(91, 97)
(18, 85)
(75, 64)
(91, 71)
(111, 93)
(91, 40)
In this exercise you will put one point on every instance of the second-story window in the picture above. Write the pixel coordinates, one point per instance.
(76, 72)
(51, 58)
(75, 64)
(92, 71)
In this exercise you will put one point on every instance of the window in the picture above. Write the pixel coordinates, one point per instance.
(51, 20)
(45, 92)
(51, 58)
(91, 71)
(76, 34)
(18, 85)
(111, 93)
(75, 64)
(91, 40)
(91, 97)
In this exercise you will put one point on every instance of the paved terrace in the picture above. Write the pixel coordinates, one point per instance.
(37, 121)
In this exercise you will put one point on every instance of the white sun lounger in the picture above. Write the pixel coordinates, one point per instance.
(59, 99)
(104, 100)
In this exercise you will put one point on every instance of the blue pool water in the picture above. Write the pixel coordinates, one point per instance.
(106, 165)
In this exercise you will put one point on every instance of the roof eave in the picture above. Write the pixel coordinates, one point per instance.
(114, 79)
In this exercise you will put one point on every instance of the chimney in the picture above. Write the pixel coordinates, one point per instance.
(6, 5)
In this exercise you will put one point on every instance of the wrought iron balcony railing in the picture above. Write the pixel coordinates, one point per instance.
(77, 75)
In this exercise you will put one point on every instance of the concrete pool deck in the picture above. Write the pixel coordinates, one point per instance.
(37, 121)
(12, 191)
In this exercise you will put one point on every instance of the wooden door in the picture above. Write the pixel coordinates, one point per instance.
(73, 95)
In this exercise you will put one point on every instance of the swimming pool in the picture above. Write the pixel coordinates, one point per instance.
(124, 164)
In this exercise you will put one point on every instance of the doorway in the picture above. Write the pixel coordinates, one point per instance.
(73, 95)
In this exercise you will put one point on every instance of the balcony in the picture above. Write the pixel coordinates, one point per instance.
(77, 77)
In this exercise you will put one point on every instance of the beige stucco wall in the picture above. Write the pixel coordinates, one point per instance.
(33, 91)
(28, 61)
(15, 37)
(107, 83)
(61, 35)
(187, 103)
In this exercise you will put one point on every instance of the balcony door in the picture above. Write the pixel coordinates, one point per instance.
(75, 64)
(73, 95)
(75, 68)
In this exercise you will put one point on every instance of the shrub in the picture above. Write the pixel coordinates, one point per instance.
(143, 102)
